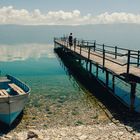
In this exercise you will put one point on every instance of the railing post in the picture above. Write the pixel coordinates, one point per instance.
(88, 51)
(94, 46)
(80, 49)
(81, 46)
(115, 52)
(103, 55)
(128, 62)
(138, 61)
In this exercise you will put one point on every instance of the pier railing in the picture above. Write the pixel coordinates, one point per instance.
(117, 69)
(126, 57)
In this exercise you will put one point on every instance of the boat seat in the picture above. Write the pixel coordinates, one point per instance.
(17, 89)
(3, 93)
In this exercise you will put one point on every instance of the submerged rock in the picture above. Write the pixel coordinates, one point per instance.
(31, 135)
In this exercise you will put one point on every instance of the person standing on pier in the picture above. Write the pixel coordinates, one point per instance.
(70, 40)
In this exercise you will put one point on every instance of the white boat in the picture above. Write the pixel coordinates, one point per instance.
(13, 97)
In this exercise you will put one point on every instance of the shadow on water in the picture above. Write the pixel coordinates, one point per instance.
(115, 107)
(4, 128)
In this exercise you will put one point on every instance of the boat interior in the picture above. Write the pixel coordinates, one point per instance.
(9, 88)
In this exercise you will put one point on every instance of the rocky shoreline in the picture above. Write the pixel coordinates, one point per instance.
(72, 122)
(108, 131)
(67, 118)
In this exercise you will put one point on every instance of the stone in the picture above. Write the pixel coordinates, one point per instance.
(120, 133)
(83, 137)
(41, 137)
(8, 136)
(79, 134)
(63, 134)
(31, 135)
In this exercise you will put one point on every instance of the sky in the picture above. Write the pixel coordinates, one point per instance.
(69, 12)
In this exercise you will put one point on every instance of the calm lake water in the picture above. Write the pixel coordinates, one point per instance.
(27, 53)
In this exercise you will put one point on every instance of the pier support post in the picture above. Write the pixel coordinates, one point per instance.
(107, 78)
(90, 67)
(132, 95)
(86, 64)
(113, 83)
(79, 61)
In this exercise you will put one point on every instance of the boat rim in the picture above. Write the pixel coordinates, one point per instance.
(28, 92)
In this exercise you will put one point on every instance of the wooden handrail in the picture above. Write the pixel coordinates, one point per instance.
(133, 56)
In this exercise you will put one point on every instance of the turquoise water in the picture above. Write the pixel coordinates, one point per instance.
(38, 66)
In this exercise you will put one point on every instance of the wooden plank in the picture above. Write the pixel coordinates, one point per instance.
(4, 79)
(3, 93)
(13, 86)
(17, 89)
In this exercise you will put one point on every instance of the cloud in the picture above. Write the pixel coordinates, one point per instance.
(10, 15)
(25, 51)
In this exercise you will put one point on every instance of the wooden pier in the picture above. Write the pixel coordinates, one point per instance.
(110, 65)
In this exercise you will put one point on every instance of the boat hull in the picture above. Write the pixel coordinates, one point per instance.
(11, 107)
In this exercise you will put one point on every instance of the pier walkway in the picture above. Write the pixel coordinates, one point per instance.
(110, 64)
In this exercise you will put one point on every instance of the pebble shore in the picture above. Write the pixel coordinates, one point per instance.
(91, 132)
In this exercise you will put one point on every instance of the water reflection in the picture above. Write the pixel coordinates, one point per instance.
(23, 52)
